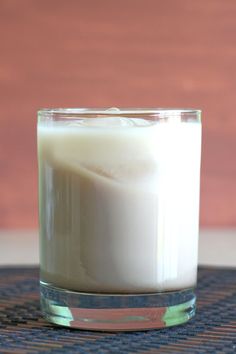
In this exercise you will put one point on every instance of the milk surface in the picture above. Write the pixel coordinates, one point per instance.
(119, 204)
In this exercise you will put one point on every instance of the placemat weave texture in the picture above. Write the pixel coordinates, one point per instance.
(23, 330)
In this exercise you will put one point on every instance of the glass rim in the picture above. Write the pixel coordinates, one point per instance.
(118, 111)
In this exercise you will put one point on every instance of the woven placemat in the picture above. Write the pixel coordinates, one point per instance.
(23, 330)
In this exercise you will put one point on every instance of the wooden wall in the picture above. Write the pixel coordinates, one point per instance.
(175, 53)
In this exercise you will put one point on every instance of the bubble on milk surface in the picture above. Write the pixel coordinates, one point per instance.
(113, 109)
(111, 122)
(107, 120)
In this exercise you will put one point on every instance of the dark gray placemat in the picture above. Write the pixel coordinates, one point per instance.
(23, 330)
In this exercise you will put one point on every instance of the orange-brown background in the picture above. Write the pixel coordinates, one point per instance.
(175, 53)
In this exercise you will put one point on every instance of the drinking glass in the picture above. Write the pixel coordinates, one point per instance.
(119, 216)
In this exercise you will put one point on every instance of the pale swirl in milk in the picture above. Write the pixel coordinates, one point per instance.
(119, 201)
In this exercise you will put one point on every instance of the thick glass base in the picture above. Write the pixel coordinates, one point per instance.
(116, 312)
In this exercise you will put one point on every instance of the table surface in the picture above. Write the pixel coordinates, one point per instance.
(23, 330)
(216, 247)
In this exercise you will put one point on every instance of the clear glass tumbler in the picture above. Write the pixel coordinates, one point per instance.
(119, 216)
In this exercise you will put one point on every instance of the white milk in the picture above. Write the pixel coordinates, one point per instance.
(119, 204)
